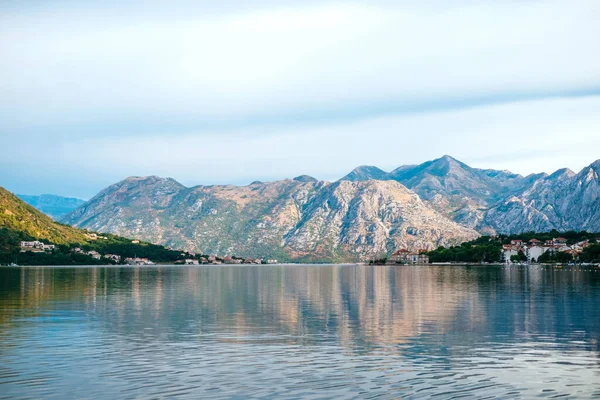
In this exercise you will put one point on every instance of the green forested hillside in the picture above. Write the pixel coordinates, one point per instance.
(20, 221)
(18, 216)
(489, 249)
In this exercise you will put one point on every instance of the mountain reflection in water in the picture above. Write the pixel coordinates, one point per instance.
(299, 332)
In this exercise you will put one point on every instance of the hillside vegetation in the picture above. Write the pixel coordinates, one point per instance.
(489, 249)
(18, 216)
(20, 221)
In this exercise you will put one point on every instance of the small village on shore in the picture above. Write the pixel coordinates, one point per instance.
(37, 246)
(532, 251)
(502, 250)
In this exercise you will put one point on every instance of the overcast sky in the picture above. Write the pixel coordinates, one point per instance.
(94, 91)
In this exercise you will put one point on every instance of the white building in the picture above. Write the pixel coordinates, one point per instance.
(36, 246)
(508, 250)
(33, 244)
(534, 252)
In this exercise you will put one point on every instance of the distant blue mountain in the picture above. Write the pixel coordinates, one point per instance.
(52, 205)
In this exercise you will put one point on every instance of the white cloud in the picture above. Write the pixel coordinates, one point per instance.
(524, 137)
(68, 68)
(231, 93)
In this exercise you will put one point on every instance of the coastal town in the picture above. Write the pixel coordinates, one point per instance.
(216, 260)
(579, 247)
(37, 246)
(517, 251)
(533, 250)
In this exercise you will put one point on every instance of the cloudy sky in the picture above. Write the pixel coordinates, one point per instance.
(94, 91)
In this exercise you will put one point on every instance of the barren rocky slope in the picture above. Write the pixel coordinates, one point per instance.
(563, 201)
(367, 213)
(296, 219)
(453, 188)
(493, 201)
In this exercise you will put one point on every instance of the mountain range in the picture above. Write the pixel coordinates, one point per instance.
(292, 219)
(365, 214)
(493, 201)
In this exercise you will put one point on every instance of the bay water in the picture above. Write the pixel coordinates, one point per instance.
(299, 331)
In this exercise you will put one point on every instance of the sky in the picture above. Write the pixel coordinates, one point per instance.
(92, 92)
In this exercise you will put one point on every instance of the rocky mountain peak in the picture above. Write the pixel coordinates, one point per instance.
(453, 162)
(305, 178)
(563, 201)
(449, 159)
(563, 173)
(139, 178)
(534, 177)
(590, 173)
(445, 165)
(365, 172)
(148, 180)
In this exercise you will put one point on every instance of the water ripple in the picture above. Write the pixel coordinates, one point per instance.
(285, 332)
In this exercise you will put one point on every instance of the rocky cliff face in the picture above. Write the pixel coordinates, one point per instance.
(562, 201)
(451, 187)
(367, 213)
(297, 219)
(492, 201)
(370, 218)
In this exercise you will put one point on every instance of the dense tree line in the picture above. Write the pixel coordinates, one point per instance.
(490, 251)
(489, 248)
(591, 253)
(555, 257)
(571, 236)
(57, 257)
(10, 251)
(126, 248)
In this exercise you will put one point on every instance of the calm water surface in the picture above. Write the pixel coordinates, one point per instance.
(299, 332)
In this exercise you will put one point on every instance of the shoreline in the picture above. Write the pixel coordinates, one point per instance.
(587, 266)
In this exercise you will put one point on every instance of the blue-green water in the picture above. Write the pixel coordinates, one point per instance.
(299, 332)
